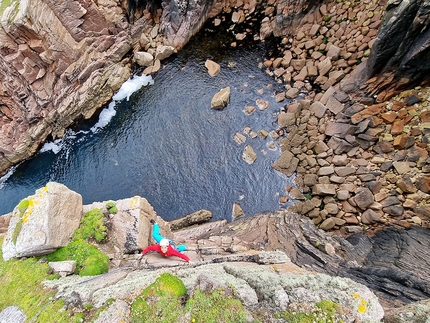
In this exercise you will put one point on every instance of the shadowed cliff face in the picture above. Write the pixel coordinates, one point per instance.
(401, 52)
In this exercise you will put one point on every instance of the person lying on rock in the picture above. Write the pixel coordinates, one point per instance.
(165, 247)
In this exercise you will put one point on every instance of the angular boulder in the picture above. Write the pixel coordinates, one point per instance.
(198, 217)
(221, 99)
(286, 163)
(43, 222)
(213, 67)
(130, 229)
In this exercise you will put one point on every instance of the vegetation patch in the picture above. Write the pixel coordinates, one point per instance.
(215, 307)
(17, 230)
(92, 226)
(164, 302)
(159, 302)
(21, 285)
(90, 261)
(324, 311)
(22, 206)
(111, 207)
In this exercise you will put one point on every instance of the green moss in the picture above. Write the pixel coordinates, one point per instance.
(162, 302)
(17, 231)
(324, 311)
(111, 207)
(92, 227)
(89, 260)
(22, 206)
(291, 317)
(326, 18)
(215, 307)
(21, 285)
(159, 302)
(328, 307)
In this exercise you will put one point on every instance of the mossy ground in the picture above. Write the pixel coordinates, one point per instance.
(165, 301)
(21, 285)
(324, 311)
(90, 261)
(92, 227)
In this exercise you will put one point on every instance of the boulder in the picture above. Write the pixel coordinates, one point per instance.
(363, 198)
(286, 163)
(43, 222)
(163, 52)
(249, 155)
(221, 99)
(198, 217)
(130, 227)
(63, 268)
(237, 211)
(213, 67)
(143, 58)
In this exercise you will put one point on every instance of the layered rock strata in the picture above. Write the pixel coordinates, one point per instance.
(59, 63)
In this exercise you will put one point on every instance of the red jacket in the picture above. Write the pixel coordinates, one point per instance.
(170, 251)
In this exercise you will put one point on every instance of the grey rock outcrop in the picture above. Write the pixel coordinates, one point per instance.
(63, 268)
(129, 226)
(255, 285)
(12, 314)
(43, 222)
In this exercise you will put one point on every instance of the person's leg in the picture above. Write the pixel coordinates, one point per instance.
(181, 247)
(156, 233)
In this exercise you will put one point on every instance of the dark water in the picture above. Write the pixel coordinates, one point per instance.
(167, 145)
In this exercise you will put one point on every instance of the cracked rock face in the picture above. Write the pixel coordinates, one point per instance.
(59, 62)
(255, 285)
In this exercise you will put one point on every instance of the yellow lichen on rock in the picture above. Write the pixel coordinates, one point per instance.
(134, 202)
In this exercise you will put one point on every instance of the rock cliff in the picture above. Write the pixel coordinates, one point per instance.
(60, 62)
(400, 54)
(277, 260)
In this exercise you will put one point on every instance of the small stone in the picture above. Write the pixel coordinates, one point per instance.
(262, 104)
(249, 155)
(327, 224)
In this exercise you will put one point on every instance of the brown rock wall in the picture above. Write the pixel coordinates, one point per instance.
(59, 61)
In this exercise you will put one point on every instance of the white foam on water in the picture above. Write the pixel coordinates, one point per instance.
(105, 117)
(132, 85)
(127, 89)
(5, 177)
(54, 146)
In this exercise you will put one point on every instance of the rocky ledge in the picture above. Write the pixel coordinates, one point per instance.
(275, 261)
